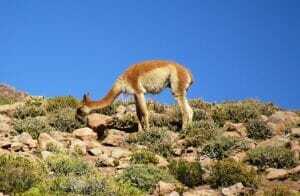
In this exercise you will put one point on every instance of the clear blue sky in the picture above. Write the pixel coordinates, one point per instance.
(236, 49)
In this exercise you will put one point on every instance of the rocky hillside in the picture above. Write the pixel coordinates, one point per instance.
(232, 148)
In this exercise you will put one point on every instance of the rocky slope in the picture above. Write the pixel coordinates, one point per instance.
(232, 148)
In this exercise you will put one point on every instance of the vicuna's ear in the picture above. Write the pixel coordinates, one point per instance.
(86, 98)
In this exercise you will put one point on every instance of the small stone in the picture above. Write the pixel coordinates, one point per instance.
(235, 189)
(114, 138)
(277, 173)
(241, 156)
(177, 151)
(85, 134)
(173, 193)
(5, 119)
(162, 162)
(45, 154)
(277, 140)
(206, 161)
(4, 127)
(95, 120)
(96, 151)
(16, 146)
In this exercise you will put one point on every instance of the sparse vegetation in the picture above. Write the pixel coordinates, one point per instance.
(258, 129)
(219, 148)
(18, 174)
(64, 120)
(155, 139)
(58, 103)
(5, 100)
(29, 110)
(143, 157)
(200, 132)
(228, 172)
(189, 173)
(34, 126)
(145, 177)
(63, 164)
(278, 190)
(274, 156)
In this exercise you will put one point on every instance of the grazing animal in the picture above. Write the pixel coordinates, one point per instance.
(147, 77)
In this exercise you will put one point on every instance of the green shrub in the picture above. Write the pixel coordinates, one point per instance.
(164, 120)
(64, 120)
(127, 122)
(156, 107)
(111, 109)
(29, 110)
(143, 157)
(237, 112)
(219, 148)
(18, 174)
(271, 156)
(189, 173)
(6, 100)
(199, 132)
(155, 139)
(258, 129)
(200, 104)
(63, 164)
(228, 172)
(57, 103)
(200, 114)
(145, 177)
(278, 190)
(34, 126)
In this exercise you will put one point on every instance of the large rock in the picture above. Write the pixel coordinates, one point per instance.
(275, 141)
(78, 146)
(295, 132)
(9, 109)
(295, 170)
(26, 139)
(114, 138)
(118, 153)
(45, 140)
(201, 191)
(280, 120)
(5, 119)
(106, 161)
(96, 120)
(163, 188)
(235, 189)
(239, 128)
(85, 134)
(96, 151)
(273, 174)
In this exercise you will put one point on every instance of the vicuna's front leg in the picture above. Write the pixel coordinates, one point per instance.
(186, 110)
(142, 112)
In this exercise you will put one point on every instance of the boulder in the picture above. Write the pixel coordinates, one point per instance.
(96, 151)
(201, 191)
(236, 127)
(275, 141)
(163, 188)
(96, 120)
(9, 109)
(45, 139)
(118, 153)
(26, 139)
(114, 138)
(5, 119)
(235, 189)
(280, 120)
(106, 161)
(295, 132)
(275, 174)
(78, 146)
(85, 134)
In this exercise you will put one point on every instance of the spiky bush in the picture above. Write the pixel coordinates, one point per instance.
(228, 172)
(18, 174)
(237, 112)
(155, 139)
(278, 190)
(34, 126)
(30, 109)
(64, 120)
(145, 177)
(258, 129)
(64, 164)
(156, 107)
(125, 122)
(189, 173)
(219, 148)
(200, 104)
(271, 156)
(199, 132)
(143, 157)
(57, 103)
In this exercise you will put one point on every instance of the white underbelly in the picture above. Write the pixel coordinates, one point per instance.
(155, 81)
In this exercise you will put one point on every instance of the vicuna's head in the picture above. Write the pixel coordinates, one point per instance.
(83, 110)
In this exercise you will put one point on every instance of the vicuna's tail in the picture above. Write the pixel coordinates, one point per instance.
(105, 101)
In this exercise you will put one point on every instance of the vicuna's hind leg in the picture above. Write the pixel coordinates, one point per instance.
(185, 109)
(142, 112)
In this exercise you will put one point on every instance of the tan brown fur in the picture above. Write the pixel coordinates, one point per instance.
(148, 77)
